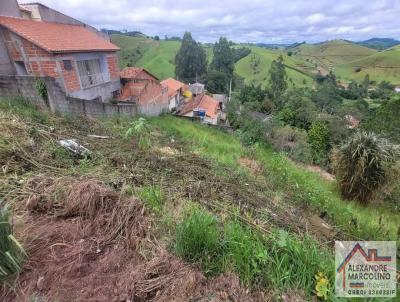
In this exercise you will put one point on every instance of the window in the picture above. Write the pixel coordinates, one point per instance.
(21, 68)
(67, 64)
(90, 73)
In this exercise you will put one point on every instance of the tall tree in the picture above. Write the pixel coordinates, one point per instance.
(221, 69)
(223, 59)
(277, 80)
(190, 61)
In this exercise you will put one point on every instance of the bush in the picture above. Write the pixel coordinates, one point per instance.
(11, 252)
(318, 137)
(197, 236)
(362, 165)
(293, 142)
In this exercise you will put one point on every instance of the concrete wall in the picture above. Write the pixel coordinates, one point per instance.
(9, 8)
(58, 101)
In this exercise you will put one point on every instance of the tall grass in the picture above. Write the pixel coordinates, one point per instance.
(197, 237)
(278, 261)
(23, 108)
(12, 254)
(300, 186)
(152, 197)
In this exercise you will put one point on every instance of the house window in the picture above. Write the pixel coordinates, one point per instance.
(21, 68)
(67, 64)
(90, 73)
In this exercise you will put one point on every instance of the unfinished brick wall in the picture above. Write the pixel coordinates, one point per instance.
(153, 99)
(113, 68)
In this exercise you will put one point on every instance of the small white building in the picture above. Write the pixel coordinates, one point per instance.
(397, 89)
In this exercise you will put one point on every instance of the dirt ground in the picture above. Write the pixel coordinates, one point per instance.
(92, 248)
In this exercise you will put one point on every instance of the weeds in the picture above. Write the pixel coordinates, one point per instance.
(23, 108)
(152, 197)
(197, 236)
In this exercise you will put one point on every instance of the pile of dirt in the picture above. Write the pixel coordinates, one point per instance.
(87, 247)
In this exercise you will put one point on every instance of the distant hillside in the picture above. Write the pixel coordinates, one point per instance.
(329, 54)
(379, 43)
(384, 65)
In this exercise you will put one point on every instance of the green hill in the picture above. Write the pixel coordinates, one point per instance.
(156, 56)
(254, 68)
(380, 66)
(379, 43)
(329, 54)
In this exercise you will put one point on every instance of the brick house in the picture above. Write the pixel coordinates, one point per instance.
(175, 92)
(142, 87)
(83, 63)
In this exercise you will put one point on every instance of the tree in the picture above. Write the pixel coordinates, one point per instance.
(327, 97)
(221, 68)
(298, 111)
(190, 61)
(385, 120)
(277, 80)
(366, 83)
(223, 59)
(362, 165)
(157, 38)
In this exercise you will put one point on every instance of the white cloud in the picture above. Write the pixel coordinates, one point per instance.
(243, 21)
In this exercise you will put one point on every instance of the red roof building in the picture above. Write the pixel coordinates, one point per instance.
(202, 106)
(140, 86)
(83, 62)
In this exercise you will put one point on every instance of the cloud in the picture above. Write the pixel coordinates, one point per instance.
(265, 21)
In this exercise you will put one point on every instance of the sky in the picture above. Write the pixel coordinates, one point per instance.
(249, 21)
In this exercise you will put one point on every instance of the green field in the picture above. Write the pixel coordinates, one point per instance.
(259, 74)
(384, 65)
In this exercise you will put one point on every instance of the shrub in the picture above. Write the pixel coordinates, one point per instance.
(293, 142)
(362, 165)
(11, 252)
(197, 236)
(318, 137)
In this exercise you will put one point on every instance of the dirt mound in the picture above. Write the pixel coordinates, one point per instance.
(87, 247)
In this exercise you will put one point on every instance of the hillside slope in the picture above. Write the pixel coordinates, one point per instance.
(254, 67)
(384, 65)
(329, 54)
(179, 211)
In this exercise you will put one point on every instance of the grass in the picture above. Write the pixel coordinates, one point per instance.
(259, 75)
(152, 197)
(362, 222)
(279, 261)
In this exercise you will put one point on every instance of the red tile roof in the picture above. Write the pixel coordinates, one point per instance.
(56, 37)
(134, 72)
(201, 101)
(173, 86)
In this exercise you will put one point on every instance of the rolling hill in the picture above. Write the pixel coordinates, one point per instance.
(329, 54)
(254, 67)
(158, 57)
(348, 60)
(379, 43)
(384, 65)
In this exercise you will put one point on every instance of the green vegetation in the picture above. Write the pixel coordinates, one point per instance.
(153, 198)
(12, 254)
(191, 60)
(362, 165)
(305, 187)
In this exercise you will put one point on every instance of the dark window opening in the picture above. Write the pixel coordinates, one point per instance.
(21, 68)
(67, 64)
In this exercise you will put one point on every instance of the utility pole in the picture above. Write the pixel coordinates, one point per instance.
(230, 90)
